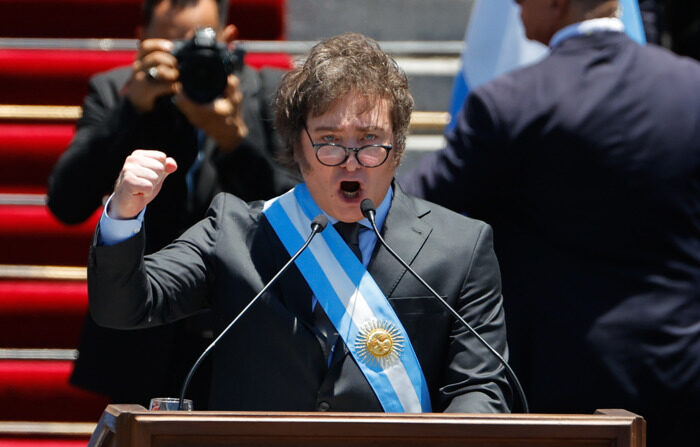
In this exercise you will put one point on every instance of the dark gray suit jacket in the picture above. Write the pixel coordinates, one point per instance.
(587, 165)
(132, 367)
(272, 360)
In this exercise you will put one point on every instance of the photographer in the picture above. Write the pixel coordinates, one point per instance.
(224, 144)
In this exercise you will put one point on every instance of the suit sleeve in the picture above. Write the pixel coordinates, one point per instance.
(127, 290)
(475, 381)
(87, 170)
(471, 169)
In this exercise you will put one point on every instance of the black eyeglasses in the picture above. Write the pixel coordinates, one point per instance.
(333, 154)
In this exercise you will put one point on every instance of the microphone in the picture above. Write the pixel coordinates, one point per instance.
(318, 224)
(368, 210)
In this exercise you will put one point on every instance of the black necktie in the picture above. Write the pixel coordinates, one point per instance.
(350, 232)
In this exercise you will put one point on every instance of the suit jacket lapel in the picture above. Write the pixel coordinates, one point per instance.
(405, 232)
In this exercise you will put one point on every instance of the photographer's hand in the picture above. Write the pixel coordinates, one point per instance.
(221, 119)
(154, 73)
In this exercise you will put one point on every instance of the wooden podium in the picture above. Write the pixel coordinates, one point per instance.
(132, 425)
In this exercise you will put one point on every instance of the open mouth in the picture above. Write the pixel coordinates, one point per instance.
(350, 189)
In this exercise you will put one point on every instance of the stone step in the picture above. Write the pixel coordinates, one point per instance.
(392, 20)
(379, 19)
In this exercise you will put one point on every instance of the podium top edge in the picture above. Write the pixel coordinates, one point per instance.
(602, 414)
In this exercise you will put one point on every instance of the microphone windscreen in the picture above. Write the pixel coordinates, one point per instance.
(366, 206)
(321, 220)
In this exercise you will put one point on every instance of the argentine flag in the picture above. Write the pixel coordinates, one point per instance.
(495, 43)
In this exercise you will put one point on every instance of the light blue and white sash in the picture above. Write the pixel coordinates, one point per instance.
(354, 303)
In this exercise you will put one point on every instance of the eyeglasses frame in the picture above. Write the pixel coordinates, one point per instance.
(356, 150)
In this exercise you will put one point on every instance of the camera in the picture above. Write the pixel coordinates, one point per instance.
(204, 64)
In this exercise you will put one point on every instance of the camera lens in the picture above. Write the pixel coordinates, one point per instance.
(203, 75)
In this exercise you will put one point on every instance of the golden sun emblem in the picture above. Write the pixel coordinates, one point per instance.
(379, 343)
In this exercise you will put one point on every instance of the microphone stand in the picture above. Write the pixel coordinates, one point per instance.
(369, 211)
(317, 225)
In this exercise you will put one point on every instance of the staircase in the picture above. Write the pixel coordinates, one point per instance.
(48, 51)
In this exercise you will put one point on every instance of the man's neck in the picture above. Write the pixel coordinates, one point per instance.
(578, 13)
(605, 9)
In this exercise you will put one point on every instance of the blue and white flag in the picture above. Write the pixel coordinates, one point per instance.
(495, 44)
(632, 19)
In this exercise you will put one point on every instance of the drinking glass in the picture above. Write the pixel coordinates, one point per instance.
(169, 404)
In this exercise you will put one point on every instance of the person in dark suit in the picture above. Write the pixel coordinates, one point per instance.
(586, 165)
(343, 116)
(227, 144)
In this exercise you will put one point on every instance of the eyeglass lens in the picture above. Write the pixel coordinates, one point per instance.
(368, 156)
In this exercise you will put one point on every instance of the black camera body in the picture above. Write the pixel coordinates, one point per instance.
(204, 64)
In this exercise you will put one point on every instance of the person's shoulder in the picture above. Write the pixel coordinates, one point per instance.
(664, 58)
(225, 205)
(652, 57)
(654, 67)
(271, 76)
(452, 236)
(509, 85)
(507, 100)
(514, 90)
(445, 219)
(265, 79)
(115, 76)
(228, 200)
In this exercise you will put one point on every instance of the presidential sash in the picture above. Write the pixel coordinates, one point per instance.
(354, 304)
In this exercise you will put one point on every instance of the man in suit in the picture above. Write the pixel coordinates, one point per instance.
(227, 144)
(347, 327)
(586, 164)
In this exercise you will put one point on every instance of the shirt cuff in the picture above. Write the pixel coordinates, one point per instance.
(113, 231)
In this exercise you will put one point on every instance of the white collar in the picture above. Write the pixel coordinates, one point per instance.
(586, 28)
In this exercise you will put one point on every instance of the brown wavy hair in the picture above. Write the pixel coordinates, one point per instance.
(336, 67)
